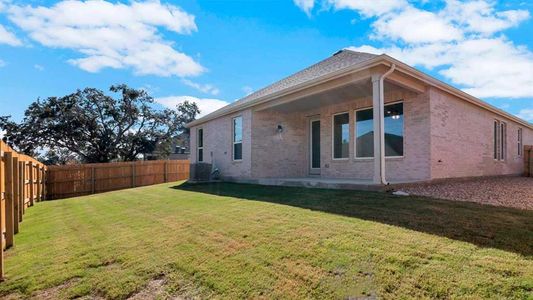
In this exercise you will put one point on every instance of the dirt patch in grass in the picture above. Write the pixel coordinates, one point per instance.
(155, 289)
(51, 293)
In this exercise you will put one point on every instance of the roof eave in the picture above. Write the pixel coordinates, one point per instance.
(352, 69)
(413, 72)
(381, 59)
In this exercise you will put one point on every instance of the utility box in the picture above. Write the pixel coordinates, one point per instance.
(200, 172)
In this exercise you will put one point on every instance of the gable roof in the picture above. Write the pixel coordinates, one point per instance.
(341, 62)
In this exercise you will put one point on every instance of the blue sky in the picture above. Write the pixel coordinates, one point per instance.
(214, 52)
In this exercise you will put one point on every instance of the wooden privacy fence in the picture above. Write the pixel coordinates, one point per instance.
(21, 185)
(528, 161)
(84, 179)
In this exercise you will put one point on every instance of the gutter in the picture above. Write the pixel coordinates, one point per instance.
(382, 125)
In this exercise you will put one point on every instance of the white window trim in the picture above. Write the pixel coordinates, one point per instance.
(198, 148)
(333, 136)
(355, 132)
(233, 143)
(496, 140)
(500, 140)
(503, 132)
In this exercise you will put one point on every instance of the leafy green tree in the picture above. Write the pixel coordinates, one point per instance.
(95, 127)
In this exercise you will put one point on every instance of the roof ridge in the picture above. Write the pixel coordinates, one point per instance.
(360, 52)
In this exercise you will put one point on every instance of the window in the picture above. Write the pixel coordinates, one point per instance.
(200, 145)
(364, 131)
(520, 146)
(500, 140)
(496, 135)
(341, 135)
(237, 138)
(503, 141)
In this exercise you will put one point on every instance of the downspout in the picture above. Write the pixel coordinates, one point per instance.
(382, 123)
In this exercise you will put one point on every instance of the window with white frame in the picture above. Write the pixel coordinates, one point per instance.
(200, 146)
(341, 135)
(500, 140)
(520, 146)
(237, 138)
(364, 131)
(503, 140)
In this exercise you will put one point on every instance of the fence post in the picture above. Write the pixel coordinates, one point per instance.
(20, 193)
(133, 174)
(24, 190)
(32, 186)
(2, 198)
(93, 181)
(16, 182)
(10, 231)
(44, 179)
(166, 170)
(38, 183)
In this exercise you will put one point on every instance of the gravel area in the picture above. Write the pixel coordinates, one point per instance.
(514, 192)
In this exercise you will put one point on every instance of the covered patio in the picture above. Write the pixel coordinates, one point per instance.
(323, 135)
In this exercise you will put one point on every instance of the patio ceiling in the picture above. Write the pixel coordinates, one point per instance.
(350, 91)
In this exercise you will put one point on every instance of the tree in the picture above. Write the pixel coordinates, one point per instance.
(58, 157)
(96, 127)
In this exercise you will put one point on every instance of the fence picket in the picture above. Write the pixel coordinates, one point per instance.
(77, 180)
(9, 207)
(16, 190)
(15, 184)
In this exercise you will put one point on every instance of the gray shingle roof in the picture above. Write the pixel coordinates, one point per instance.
(340, 60)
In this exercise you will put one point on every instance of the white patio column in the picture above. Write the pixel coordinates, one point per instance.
(379, 132)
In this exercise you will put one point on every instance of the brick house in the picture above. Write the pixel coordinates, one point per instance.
(317, 127)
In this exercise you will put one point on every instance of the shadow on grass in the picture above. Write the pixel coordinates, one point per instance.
(483, 225)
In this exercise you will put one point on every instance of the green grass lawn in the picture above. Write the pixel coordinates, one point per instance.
(245, 241)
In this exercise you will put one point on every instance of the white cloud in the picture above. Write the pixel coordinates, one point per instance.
(481, 17)
(7, 37)
(204, 88)
(2, 63)
(485, 67)
(463, 41)
(368, 8)
(112, 35)
(400, 25)
(38, 67)
(305, 5)
(526, 114)
(247, 90)
(504, 105)
(205, 105)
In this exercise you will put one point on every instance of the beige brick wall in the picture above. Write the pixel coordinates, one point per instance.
(462, 139)
(274, 154)
(218, 145)
(443, 137)
(287, 155)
